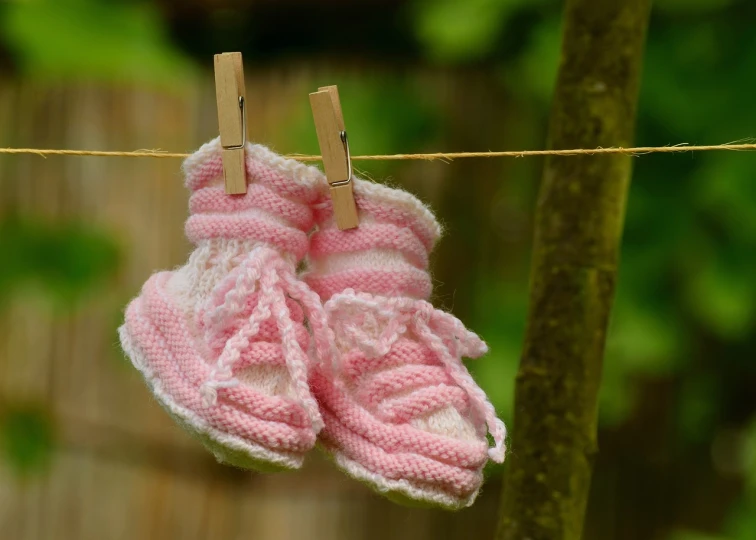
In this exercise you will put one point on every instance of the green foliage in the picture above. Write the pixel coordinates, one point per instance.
(458, 30)
(26, 439)
(742, 520)
(692, 535)
(66, 260)
(691, 6)
(721, 294)
(690, 239)
(749, 454)
(533, 74)
(120, 40)
(698, 408)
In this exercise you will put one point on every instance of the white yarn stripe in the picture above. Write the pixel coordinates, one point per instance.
(373, 259)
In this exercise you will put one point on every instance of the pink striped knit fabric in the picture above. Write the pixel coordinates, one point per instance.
(401, 411)
(221, 341)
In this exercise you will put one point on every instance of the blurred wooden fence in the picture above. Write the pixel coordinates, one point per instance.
(121, 469)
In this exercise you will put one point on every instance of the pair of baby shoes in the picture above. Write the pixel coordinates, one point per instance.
(282, 331)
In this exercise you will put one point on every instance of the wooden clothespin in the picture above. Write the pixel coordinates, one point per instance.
(232, 119)
(334, 147)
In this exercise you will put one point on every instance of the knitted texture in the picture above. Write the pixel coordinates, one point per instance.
(221, 341)
(401, 411)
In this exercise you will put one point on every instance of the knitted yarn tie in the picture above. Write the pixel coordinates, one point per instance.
(265, 270)
(353, 315)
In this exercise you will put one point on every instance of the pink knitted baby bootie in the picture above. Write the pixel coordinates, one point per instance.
(221, 340)
(401, 411)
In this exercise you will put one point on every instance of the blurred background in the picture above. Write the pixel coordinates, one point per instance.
(85, 453)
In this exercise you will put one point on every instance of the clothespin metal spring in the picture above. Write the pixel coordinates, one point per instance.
(345, 140)
(243, 112)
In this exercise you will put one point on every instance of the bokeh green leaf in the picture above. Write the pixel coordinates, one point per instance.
(26, 434)
(114, 40)
(461, 30)
(67, 260)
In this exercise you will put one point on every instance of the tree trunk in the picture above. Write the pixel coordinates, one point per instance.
(579, 223)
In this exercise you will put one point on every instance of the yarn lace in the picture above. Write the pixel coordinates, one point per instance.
(264, 270)
(375, 323)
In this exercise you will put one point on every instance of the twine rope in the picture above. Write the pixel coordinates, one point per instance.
(443, 156)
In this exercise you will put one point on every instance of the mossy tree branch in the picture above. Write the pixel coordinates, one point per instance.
(579, 222)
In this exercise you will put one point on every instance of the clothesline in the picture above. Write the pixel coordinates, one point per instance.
(448, 156)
